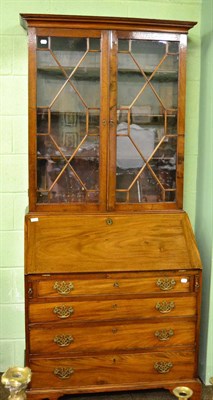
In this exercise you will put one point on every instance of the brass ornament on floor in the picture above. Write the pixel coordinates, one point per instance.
(183, 392)
(16, 380)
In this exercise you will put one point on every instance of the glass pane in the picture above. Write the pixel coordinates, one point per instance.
(70, 188)
(123, 45)
(122, 116)
(94, 44)
(45, 147)
(42, 120)
(50, 79)
(164, 162)
(172, 122)
(124, 180)
(127, 155)
(130, 80)
(48, 172)
(68, 51)
(134, 145)
(94, 122)
(68, 119)
(146, 114)
(167, 94)
(173, 48)
(132, 194)
(148, 103)
(170, 195)
(86, 163)
(145, 188)
(148, 54)
(167, 149)
(168, 70)
(86, 80)
(151, 191)
(67, 44)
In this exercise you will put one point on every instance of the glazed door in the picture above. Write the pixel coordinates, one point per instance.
(147, 128)
(107, 120)
(69, 103)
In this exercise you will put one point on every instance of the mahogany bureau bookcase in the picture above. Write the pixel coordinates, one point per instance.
(112, 270)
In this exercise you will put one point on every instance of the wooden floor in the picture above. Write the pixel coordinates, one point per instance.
(207, 394)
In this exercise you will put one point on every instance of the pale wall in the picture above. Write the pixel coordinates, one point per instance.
(13, 131)
(204, 204)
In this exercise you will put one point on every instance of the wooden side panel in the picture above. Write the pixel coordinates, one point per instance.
(94, 242)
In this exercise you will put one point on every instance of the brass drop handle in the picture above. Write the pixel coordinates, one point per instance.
(163, 367)
(166, 284)
(63, 340)
(164, 334)
(109, 221)
(63, 311)
(63, 373)
(63, 287)
(165, 307)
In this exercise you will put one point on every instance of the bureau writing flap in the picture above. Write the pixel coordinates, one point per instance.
(102, 242)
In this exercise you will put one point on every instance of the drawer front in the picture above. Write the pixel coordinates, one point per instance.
(112, 309)
(112, 286)
(111, 337)
(76, 372)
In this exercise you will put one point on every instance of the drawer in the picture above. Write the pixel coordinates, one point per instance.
(128, 336)
(113, 369)
(117, 285)
(118, 309)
